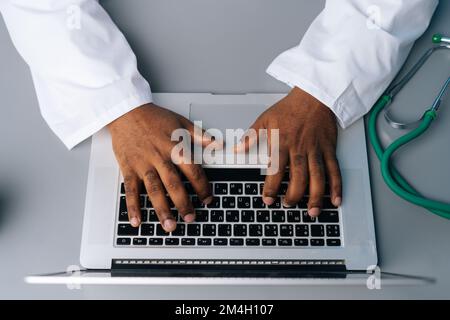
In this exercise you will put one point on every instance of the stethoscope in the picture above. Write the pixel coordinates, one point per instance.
(395, 181)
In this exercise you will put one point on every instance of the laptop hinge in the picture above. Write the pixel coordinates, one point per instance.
(227, 268)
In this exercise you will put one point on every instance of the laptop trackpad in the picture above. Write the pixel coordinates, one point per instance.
(226, 116)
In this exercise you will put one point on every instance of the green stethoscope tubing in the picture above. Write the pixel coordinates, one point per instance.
(391, 176)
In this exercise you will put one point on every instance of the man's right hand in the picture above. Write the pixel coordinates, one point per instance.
(142, 144)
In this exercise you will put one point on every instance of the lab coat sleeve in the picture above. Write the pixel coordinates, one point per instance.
(85, 73)
(352, 51)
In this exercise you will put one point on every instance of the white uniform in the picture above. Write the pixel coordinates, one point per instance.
(85, 73)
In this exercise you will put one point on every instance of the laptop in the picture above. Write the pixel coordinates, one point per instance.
(237, 239)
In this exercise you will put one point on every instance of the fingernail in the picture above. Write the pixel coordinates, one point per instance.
(287, 205)
(314, 212)
(135, 222)
(268, 200)
(337, 201)
(189, 218)
(208, 200)
(169, 225)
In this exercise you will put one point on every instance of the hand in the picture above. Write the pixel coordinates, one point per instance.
(142, 144)
(308, 138)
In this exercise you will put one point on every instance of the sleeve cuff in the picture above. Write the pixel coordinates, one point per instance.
(348, 108)
(125, 106)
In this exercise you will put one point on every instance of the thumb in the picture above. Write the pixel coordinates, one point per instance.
(250, 138)
(202, 137)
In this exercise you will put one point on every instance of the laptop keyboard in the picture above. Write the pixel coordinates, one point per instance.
(237, 217)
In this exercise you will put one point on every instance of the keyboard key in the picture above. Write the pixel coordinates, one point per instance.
(148, 203)
(301, 230)
(228, 202)
(188, 242)
(278, 216)
(123, 216)
(215, 203)
(240, 230)
(251, 188)
(258, 203)
(174, 214)
(252, 242)
(294, 216)
(201, 215)
(140, 241)
(217, 216)
(172, 241)
(303, 204)
(193, 230)
(160, 231)
(232, 216)
(333, 230)
(269, 242)
(122, 188)
(329, 217)
(236, 242)
(317, 242)
(123, 241)
(317, 231)
(301, 242)
(155, 241)
(127, 230)
(307, 218)
(271, 230)
(220, 189)
(255, 230)
(248, 216)
(209, 230)
(244, 202)
(276, 204)
(204, 242)
(144, 215)
(147, 229)
(261, 188)
(224, 230)
(326, 203)
(152, 216)
(285, 242)
(283, 189)
(286, 230)
(197, 203)
(263, 216)
(333, 242)
(180, 230)
(220, 242)
(189, 188)
(142, 201)
(236, 188)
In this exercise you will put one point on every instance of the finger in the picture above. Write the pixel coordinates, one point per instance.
(248, 140)
(334, 177)
(200, 136)
(157, 195)
(196, 175)
(131, 184)
(273, 182)
(316, 183)
(176, 190)
(298, 168)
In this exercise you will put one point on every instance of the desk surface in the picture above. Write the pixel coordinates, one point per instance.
(204, 46)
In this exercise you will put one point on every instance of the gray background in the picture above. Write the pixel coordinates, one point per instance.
(205, 46)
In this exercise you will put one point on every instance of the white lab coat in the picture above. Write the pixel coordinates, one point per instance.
(85, 73)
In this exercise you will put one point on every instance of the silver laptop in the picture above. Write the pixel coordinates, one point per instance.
(237, 239)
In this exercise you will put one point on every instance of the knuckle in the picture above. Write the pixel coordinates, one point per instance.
(298, 160)
(173, 184)
(168, 165)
